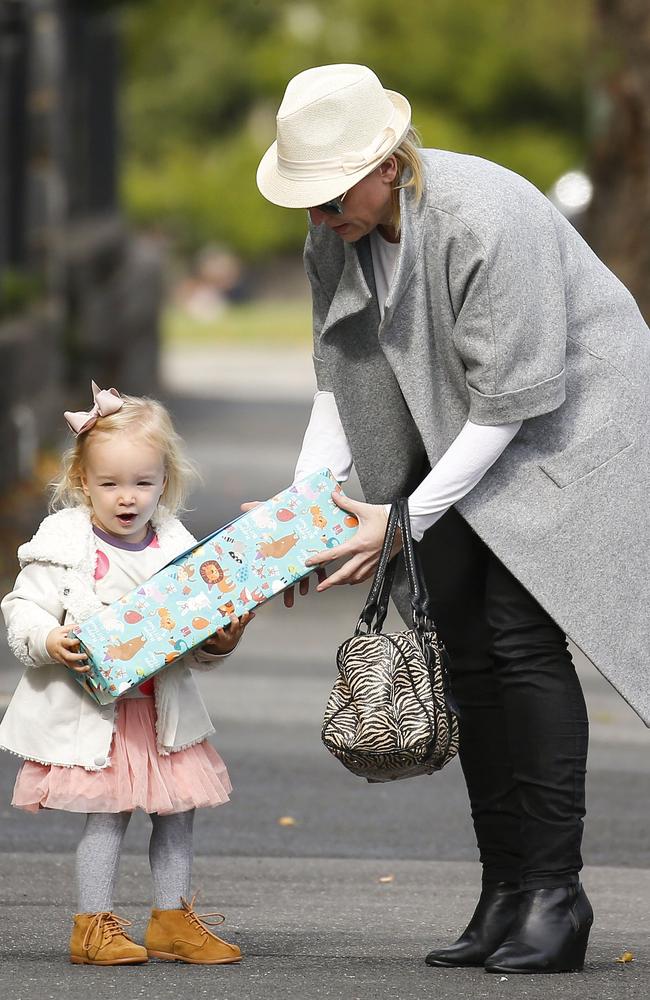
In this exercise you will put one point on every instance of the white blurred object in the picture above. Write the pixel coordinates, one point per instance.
(225, 371)
(572, 193)
(204, 295)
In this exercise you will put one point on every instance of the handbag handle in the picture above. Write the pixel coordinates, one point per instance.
(376, 606)
(420, 602)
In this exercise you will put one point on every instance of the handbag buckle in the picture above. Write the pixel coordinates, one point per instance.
(422, 622)
(359, 630)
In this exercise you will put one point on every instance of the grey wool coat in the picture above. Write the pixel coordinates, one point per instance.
(498, 312)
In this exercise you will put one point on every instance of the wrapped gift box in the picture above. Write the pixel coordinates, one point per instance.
(233, 570)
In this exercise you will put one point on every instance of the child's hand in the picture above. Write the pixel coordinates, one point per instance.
(61, 646)
(225, 641)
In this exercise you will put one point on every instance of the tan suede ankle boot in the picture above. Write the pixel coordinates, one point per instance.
(99, 939)
(182, 936)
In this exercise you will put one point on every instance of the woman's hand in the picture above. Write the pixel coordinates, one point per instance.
(363, 549)
(225, 639)
(61, 646)
(303, 586)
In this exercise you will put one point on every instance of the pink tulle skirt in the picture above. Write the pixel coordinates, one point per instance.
(138, 776)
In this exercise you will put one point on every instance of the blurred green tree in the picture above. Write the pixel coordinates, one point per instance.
(619, 161)
(204, 79)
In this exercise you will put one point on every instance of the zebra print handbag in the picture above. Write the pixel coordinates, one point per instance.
(388, 715)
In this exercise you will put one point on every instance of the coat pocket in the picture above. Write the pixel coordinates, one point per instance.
(587, 455)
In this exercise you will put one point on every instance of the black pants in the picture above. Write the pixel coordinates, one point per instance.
(523, 725)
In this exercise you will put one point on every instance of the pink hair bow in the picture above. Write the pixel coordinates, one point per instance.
(105, 402)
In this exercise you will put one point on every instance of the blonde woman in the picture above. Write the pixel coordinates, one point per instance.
(122, 482)
(473, 354)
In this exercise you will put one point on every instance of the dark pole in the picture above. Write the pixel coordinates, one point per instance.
(14, 43)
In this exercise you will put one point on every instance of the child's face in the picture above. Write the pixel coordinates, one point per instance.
(123, 480)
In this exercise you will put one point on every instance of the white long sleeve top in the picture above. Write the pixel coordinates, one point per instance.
(463, 465)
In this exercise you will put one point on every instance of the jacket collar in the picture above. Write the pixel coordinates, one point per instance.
(66, 539)
(356, 285)
(356, 288)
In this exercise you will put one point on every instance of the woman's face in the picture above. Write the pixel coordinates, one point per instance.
(367, 205)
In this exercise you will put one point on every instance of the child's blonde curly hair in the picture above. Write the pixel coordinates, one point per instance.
(138, 417)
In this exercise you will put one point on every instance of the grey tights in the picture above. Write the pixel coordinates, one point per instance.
(98, 859)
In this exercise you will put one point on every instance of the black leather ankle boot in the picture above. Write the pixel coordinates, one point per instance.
(550, 933)
(493, 916)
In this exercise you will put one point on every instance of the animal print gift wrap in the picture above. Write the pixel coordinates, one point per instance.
(234, 570)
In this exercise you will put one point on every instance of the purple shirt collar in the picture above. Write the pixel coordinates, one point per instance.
(119, 543)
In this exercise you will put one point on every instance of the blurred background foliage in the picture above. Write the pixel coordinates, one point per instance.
(508, 80)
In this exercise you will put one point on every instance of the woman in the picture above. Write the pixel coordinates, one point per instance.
(472, 353)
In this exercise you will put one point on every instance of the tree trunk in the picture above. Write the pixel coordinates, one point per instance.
(618, 222)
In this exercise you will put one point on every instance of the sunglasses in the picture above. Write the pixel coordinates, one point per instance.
(333, 207)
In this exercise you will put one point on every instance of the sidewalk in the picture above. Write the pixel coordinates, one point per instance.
(256, 372)
(310, 929)
(314, 927)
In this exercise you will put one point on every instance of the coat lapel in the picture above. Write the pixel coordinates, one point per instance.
(353, 293)
(356, 288)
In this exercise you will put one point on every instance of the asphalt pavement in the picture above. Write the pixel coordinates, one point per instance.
(332, 887)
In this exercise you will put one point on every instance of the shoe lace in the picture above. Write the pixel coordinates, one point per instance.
(105, 924)
(200, 920)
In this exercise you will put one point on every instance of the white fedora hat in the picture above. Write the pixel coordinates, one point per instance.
(334, 126)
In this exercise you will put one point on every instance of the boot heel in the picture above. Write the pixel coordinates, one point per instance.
(550, 934)
(575, 959)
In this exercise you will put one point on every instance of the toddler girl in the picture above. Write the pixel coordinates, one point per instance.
(114, 527)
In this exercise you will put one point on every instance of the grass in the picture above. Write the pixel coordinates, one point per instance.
(287, 323)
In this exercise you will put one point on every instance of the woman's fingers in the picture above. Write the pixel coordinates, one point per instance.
(250, 505)
(361, 552)
(368, 538)
(303, 587)
(331, 555)
(347, 503)
(355, 570)
(365, 541)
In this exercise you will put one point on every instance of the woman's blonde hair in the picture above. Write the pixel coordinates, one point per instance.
(409, 173)
(138, 417)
